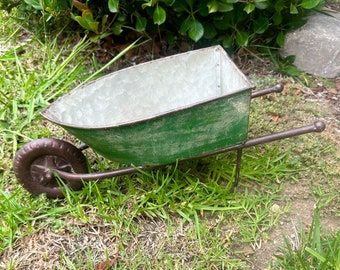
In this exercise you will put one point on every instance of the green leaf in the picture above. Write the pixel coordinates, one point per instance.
(292, 71)
(87, 15)
(113, 6)
(203, 10)
(309, 4)
(4, 124)
(159, 15)
(260, 25)
(184, 26)
(190, 3)
(104, 20)
(209, 31)
(224, 23)
(280, 39)
(117, 28)
(81, 21)
(87, 22)
(213, 6)
(296, 22)
(94, 26)
(293, 9)
(227, 42)
(222, 7)
(170, 39)
(249, 8)
(196, 30)
(179, 6)
(242, 38)
(277, 18)
(261, 5)
(150, 3)
(315, 254)
(141, 23)
(168, 2)
(34, 3)
(289, 60)
(279, 5)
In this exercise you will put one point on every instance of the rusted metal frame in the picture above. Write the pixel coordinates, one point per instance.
(318, 126)
(103, 175)
(275, 89)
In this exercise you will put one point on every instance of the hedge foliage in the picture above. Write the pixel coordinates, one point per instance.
(228, 22)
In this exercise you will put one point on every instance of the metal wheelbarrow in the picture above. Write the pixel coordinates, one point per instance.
(180, 107)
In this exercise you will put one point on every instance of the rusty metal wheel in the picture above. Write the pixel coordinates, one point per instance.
(35, 161)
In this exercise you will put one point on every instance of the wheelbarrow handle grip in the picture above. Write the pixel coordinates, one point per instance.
(275, 89)
(317, 126)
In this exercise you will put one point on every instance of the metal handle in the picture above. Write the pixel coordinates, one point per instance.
(318, 126)
(275, 89)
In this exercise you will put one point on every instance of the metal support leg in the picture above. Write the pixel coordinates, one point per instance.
(238, 168)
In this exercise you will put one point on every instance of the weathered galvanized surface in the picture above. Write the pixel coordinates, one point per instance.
(154, 113)
(183, 134)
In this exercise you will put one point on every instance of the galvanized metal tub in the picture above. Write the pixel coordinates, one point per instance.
(161, 111)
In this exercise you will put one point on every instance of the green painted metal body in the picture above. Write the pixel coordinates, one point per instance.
(167, 132)
(178, 135)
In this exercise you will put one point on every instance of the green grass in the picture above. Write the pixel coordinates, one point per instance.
(183, 216)
(315, 251)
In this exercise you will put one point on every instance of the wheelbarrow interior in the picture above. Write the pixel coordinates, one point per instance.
(149, 90)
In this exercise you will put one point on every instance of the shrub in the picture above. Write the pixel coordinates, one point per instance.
(228, 22)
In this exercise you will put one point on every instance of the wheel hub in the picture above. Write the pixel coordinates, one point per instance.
(42, 169)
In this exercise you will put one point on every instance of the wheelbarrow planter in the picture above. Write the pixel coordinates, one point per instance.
(176, 108)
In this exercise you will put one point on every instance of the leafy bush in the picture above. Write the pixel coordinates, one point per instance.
(228, 22)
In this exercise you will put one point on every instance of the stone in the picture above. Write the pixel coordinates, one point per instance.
(275, 208)
(316, 45)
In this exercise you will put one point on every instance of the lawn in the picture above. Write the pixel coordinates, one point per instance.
(183, 216)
